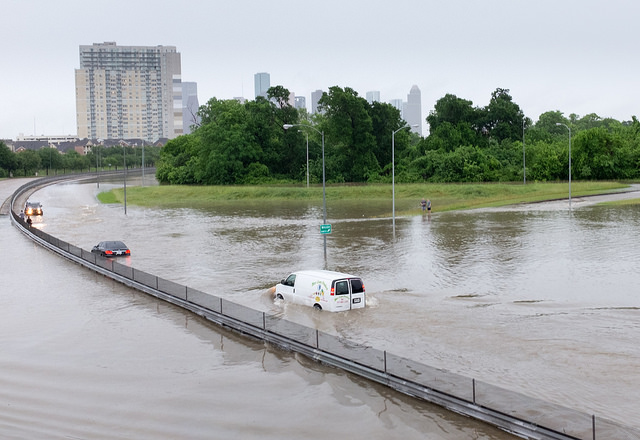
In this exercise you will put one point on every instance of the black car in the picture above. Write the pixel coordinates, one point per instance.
(33, 208)
(111, 249)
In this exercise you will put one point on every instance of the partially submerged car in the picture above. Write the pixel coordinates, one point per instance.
(111, 249)
(33, 208)
(323, 290)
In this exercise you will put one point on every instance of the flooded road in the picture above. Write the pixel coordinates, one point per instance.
(84, 357)
(536, 299)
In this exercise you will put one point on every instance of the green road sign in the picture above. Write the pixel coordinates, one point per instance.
(325, 229)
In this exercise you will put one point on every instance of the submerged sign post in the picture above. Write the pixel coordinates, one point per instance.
(325, 229)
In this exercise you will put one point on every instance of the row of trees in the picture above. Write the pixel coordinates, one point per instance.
(239, 143)
(29, 162)
(246, 143)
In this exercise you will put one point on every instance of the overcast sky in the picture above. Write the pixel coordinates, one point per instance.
(574, 56)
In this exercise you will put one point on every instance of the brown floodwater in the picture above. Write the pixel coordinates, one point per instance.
(537, 299)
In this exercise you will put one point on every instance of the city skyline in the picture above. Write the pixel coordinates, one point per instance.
(570, 56)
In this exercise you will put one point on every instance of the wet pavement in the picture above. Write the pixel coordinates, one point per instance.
(85, 357)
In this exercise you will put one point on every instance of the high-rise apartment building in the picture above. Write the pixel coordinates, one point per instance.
(412, 110)
(262, 82)
(128, 92)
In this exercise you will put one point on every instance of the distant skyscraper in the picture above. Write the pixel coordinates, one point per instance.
(315, 97)
(190, 106)
(397, 103)
(301, 102)
(262, 83)
(412, 110)
(128, 92)
(373, 96)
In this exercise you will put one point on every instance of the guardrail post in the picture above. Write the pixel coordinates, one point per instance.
(473, 385)
(384, 353)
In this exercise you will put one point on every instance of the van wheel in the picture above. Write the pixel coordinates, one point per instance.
(278, 296)
(317, 306)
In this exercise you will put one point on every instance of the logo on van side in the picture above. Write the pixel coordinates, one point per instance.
(321, 287)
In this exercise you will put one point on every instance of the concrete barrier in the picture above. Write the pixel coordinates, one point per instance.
(204, 300)
(174, 289)
(123, 270)
(145, 278)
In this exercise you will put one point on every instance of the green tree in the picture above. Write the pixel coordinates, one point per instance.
(544, 162)
(8, 160)
(594, 154)
(226, 145)
(74, 161)
(50, 158)
(385, 119)
(503, 117)
(546, 129)
(453, 110)
(28, 162)
(349, 127)
(278, 153)
(178, 161)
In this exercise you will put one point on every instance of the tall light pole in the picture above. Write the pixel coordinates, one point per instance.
(300, 131)
(124, 160)
(324, 190)
(393, 173)
(97, 170)
(524, 163)
(560, 123)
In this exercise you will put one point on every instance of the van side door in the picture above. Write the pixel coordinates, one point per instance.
(342, 296)
(357, 293)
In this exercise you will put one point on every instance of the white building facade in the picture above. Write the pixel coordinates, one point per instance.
(125, 92)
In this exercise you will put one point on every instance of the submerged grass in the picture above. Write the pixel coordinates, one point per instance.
(622, 202)
(445, 197)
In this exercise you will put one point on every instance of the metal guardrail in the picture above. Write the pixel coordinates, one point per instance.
(513, 412)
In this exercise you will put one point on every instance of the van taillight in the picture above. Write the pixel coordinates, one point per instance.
(333, 291)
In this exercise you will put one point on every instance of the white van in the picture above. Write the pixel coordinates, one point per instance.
(323, 290)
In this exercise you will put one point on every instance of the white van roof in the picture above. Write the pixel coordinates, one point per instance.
(325, 274)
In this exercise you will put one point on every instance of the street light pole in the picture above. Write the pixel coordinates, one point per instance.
(324, 190)
(393, 173)
(568, 128)
(97, 170)
(524, 163)
(124, 160)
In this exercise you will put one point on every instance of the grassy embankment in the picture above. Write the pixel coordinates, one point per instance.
(445, 197)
